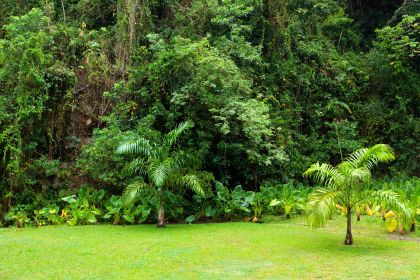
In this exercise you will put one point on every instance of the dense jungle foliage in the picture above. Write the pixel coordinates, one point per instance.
(266, 88)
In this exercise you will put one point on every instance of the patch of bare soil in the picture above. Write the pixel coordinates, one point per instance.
(404, 238)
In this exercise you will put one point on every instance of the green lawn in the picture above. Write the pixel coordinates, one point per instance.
(285, 250)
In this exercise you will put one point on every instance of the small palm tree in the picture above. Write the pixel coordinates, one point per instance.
(346, 185)
(161, 167)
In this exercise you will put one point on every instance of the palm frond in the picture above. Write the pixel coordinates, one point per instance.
(161, 152)
(133, 190)
(160, 171)
(370, 157)
(325, 173)
(392, 200)
(184, 159)
(140, 146)
(355, 177)
(173, 135)
(192, 182)
(336, 104)
(320, 206)
(135, 167)
(362, 174)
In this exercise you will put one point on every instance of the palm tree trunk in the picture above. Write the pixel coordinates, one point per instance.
(161, 217)
(349, 236)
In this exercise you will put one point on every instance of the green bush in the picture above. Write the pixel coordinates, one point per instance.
(85, 207)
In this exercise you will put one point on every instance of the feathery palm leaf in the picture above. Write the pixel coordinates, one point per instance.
(192, 182)
(370, 157)
(338, 104)
(136, 166)
(325, 173)
(159, 171)
(392, 200)
(133, 190)
(321, 205)
(173, 135)
(139, 146)
(183, 159)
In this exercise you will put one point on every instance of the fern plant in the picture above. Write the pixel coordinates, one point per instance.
(347, 185)
(161, 167)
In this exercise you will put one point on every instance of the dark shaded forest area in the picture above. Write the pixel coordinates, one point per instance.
(268, 87)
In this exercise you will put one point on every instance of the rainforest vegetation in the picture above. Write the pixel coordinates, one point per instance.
(187, 111)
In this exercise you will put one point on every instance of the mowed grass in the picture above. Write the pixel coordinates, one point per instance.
(284, 250)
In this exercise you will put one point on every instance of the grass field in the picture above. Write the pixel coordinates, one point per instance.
(284, 250)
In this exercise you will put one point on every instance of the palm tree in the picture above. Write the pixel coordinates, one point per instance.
(346, 185)
(161, 167)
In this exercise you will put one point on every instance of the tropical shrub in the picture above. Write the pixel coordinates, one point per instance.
(48, 216)
(290, 200)
(229, 204)
(121, 214)
(17, 216)
(256, 203)
(85, 207)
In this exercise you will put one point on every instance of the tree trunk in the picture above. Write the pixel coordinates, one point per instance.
(358, 217)
(349, 237)
(255, 179)
(413, 227)
(161, 218)
(64, 11)
(338, 135)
